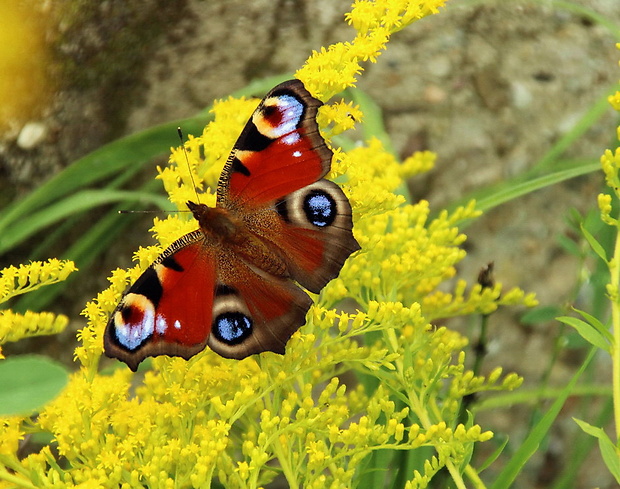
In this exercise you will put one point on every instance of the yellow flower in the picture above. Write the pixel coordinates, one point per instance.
(26, 278)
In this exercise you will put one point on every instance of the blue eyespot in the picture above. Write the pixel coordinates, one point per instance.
(320, 208)
(232, 327)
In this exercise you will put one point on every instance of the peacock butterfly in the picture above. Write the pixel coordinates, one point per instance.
(231, 283)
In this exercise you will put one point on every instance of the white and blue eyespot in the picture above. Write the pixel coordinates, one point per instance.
(232, 322)
(290, 111)
(318, 205)
(134, 321)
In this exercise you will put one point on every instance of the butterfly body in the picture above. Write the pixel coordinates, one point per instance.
(231, 283)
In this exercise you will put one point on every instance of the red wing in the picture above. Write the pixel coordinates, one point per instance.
(272, 187)
(168, 310)
(279, 151)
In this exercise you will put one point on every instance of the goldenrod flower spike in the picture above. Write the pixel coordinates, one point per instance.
(329, 71)
(26, 278)
(19, 280)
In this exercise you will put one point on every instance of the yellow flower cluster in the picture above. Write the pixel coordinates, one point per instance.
(26, 278)
(242, 423)
(610, 163)
(329, 71)
(15, 281)
(14, 326)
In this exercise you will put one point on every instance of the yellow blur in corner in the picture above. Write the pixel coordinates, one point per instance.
(25, 57)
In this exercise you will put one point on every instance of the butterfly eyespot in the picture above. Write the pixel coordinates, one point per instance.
(316, 206)
(135, 321)
(232, 327)
(320, 208)
(279, 116)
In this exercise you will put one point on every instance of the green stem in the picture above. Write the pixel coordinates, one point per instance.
(456, 475)
(614, 272)
(18, 481)
(473, 476)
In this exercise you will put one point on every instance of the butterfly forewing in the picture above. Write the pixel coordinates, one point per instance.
(168, 310)
(279, 151)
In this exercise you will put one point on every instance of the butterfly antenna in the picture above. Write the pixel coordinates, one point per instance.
(189, 168)
(150, 211)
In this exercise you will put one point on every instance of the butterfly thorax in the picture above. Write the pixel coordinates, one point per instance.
(221, 226)
(217, 223)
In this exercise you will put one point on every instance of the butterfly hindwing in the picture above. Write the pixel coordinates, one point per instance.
(254, 311)
(311, 230)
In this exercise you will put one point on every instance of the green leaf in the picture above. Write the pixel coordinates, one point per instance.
(541, 314)
(594, 244)
(492, 196)
(28, 382)
(609, 452)
(496, 453)
(75, 203)
(105, 162)
(569, 245)
(587, 332)
(593, 321)
(376, 469)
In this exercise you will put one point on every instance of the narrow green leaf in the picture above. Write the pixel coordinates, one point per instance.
(376, 469)
(90, 245)
(587, 332)
(491, 458)
(600, 327)
(28, 382)
(489, 197)
(594, 244)
(75, 203)
(541, 314)
(609, 452)
(594, 431)
(610, 455)
(107, 161)
(569, 245)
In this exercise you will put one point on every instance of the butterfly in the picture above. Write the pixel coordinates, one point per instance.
(234, 283)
